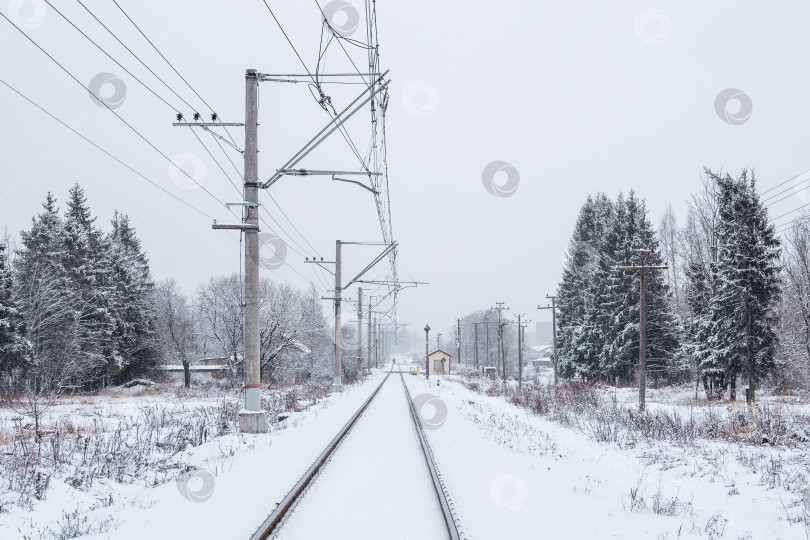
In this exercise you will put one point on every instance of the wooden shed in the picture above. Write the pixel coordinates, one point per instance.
(439, 362)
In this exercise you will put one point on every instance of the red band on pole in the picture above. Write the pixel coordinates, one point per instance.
(257, 385)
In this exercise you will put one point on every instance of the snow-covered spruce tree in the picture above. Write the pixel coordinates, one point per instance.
(599, 323)
(581, 323)
(134, 338)
(743, 340)
(45, 299)
(15, 352)
(89, 272)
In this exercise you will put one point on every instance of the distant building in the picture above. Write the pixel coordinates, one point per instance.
(439, 362)
(543, 333)
(540, 355)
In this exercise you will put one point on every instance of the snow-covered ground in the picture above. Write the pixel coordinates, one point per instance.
(511, 474)
(233, 483)
(511, 470)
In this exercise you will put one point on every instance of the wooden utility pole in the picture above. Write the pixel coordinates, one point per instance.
(458, 341)
(486, 321)
(500, 307)
(642, 268)
(520, 352)
(553, 307)
(502, 347)
(475, 347)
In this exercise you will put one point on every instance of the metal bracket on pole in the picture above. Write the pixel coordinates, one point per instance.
(316, 172)
(362, 185)
(379, 257)
(334, 124)
(246, 227)
(243, 203)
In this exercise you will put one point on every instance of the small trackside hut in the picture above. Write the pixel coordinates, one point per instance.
(439, 362)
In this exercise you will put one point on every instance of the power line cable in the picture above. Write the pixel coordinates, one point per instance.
(99, 47)
(783, 183)
(138, 28)
(136, 57)
(130, 126)
(170, 194)
(137, 132)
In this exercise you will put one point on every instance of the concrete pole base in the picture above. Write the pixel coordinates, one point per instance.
(337, 384)
(252, 421)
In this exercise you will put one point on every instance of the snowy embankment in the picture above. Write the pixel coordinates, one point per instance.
(172, 488)
(516, 474)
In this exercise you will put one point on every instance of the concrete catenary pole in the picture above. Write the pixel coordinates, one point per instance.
(360, 328)
(337, 384)
(252, 419)
(368, 361)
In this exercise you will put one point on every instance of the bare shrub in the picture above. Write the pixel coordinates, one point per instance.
(585, 408)
(139, 448)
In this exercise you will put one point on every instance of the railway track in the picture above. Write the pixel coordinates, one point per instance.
(276, 521)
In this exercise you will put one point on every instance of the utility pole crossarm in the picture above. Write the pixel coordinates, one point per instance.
(320, 263)
(642, 267)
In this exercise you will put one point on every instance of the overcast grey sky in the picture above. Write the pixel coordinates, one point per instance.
(577, 96)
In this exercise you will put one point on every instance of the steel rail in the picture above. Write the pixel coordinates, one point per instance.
(445, 500)
(446, 503)
(276, 517)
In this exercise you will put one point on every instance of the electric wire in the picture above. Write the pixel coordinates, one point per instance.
(130, 126)
(219, 165)
(783, 183)
(134, 130)
(110, 155)
(181, 98)
(99, 47)
(138, 28)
